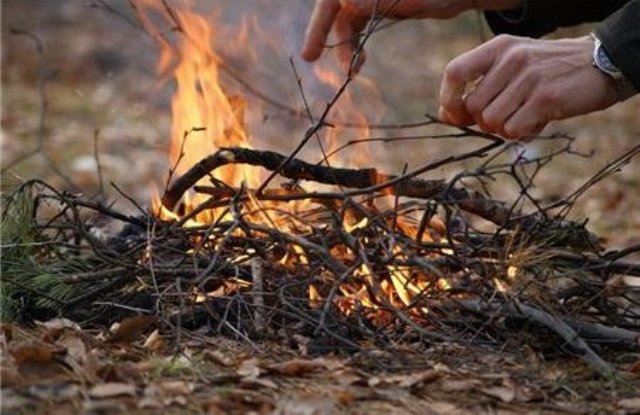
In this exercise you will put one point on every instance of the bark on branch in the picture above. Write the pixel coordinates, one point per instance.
(558, 232)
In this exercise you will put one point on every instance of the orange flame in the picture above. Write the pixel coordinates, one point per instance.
(206, 118)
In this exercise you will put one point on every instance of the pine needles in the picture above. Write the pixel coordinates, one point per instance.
(29, 287)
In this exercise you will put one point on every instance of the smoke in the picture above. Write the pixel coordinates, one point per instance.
(260, 43)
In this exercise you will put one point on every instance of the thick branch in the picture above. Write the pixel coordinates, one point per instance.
(565, 233)
(297, 169)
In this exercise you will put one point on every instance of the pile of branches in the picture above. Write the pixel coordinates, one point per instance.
(444, 262)
(476, 270)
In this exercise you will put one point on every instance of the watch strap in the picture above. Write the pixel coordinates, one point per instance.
(601, 61)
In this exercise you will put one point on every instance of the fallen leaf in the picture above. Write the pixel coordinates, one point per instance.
(154, 342)
(444, 408)
(414, 379)
(441, 367)
(112, 389)
(104, 406)
(165, 393)
(179, 400)
(6, 333)
(306, 404)
(346, 397)
(297, 367)
(249, 368)
(631, 404)
(130, 328)
(505, 394)
(176, 387)
(32, 353)
(240, 401)
(634, 367)
(459, 385)
(302, 342)
(13, 402)
(374, 381)
(347, 377)
(75, 347)
(151, 396)
(149, 402)
(330, 364)
(253, 383)
(630, 281)
(217, 357)
(529, 394)
(59, 324)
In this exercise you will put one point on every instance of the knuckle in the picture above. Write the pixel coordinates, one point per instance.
(473, 104)
(453, 72)
(503, 40)
(546, 98)
(533, 77)
(519, 56)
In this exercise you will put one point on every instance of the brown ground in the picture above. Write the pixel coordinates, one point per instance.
(102, 80)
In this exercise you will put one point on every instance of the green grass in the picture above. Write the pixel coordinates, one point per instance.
(29, 283)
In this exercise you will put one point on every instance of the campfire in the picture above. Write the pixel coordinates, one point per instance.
(310, 223)
(257, 244)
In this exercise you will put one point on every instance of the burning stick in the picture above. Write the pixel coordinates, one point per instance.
(369, 180)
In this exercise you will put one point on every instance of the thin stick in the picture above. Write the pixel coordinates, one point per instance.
(257, 293)
(543, 318)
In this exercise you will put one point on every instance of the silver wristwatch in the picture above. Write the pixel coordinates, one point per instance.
(602, 61)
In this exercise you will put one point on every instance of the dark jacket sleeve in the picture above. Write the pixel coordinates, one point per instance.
(539, 17)
(620, 36)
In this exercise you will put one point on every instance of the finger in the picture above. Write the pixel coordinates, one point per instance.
(475, 102)
(347, 29)
(457, 75)
(509, 98)
(494, 117)
(526, 122)
(480, 97)
(447, 118)
(322, 18)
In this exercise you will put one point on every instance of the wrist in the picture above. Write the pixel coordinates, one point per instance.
(603, 63)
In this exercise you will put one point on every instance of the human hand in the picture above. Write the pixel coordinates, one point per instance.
(349, 17)
(514, 86)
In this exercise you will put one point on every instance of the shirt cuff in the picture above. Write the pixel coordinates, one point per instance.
(620, 37)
